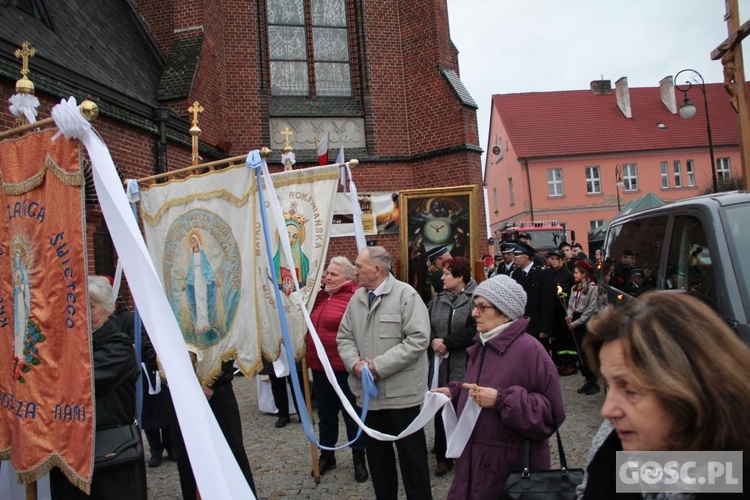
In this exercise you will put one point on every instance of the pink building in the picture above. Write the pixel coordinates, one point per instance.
(556, 155)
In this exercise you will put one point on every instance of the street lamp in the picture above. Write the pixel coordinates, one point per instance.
(619, 184)
(687, 110)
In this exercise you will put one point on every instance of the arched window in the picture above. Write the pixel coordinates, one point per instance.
(308, 45)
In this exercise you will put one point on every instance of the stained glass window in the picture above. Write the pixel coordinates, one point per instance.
(288, 37)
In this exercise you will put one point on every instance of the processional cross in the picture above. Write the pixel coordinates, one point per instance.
(194, 130)
(24, 85)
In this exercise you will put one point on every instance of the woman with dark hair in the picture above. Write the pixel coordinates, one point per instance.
(667, 389)
(452, 331)
(582, 305)
(115, 374)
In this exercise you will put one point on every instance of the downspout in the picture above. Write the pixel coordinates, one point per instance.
(531, 196)
(161, 116)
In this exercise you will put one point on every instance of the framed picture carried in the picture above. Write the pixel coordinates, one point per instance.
(436, 220)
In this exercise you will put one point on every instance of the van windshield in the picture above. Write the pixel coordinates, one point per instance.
(739, 244)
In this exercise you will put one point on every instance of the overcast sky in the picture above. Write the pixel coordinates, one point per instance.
(511, 46)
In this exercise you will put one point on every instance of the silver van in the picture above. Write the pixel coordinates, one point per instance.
(700, 245)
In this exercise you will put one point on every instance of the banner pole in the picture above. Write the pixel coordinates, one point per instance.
(308, 402)
(31, 491)
(88, 109)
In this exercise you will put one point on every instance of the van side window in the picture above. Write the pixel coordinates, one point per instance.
(689, 263)
(636, 250)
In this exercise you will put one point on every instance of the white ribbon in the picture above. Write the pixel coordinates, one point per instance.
(281, 365)
(24, 104)
(288, 156)
(458, 434)
(359, 231)
(436, 362)
(216, 471)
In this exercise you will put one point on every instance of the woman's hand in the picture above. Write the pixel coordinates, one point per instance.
(484, 397)
(442, 390)
(438, 345)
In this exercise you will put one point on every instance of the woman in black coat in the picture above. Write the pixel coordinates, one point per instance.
(115, 374)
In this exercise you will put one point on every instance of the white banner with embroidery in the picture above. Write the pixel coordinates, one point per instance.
(203, 234)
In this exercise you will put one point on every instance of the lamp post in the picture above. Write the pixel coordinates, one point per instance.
(687, 110)
(618, 185)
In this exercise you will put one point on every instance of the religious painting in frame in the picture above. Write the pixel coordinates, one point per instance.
(433, 221)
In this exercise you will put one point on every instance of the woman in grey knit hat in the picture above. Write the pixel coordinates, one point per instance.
(514, 381)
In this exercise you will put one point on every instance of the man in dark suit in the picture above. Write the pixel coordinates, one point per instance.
(540, 293)
(561, 340)
(507, 265)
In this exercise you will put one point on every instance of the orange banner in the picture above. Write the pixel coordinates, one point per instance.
(46, 386)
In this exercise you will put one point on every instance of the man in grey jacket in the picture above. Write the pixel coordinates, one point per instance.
(386, 327)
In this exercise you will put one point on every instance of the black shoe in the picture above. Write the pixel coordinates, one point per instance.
(593, 389)
(282, 421)
(360, 466)
(154, 461)
(443, 466)
(327, 462)
(585, 387)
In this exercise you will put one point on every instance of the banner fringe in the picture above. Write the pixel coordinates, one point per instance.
(50, 165)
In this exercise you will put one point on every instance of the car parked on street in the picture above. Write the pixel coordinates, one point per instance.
(699, 245)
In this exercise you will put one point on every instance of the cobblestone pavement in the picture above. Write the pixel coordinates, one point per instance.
(281, 458)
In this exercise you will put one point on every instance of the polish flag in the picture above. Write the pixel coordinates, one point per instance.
(323, 150)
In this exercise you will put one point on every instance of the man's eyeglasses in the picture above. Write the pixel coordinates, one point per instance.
(481, 307)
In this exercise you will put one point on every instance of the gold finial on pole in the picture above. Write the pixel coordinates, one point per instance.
(194, 130)
(287, 133)
(24, 85)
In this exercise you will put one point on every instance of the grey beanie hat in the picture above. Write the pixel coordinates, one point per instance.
(504, 293)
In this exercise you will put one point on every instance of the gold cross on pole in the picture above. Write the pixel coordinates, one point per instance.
(195, 109)
(24, 85)
(287, 133)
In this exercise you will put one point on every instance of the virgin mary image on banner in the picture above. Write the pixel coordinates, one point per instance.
(21, 296)
(295, 228)
(201, 287)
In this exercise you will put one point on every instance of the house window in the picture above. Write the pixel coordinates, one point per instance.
(511, 193)
(677, 174)
(298, 29)
(690, 170)
(630, 176)
(593, 180)
(723, 169)
(665, 175)
(597, 223)
(554, 181)
(494, 199)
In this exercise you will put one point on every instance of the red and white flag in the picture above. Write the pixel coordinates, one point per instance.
(323, 150)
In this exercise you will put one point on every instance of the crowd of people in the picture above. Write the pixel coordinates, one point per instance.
(496, 349)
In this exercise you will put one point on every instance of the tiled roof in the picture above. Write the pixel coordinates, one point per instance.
(102, 41)
(181, 66)
(458, 87)
(579, 122)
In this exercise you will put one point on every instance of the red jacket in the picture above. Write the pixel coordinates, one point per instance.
(326, 316)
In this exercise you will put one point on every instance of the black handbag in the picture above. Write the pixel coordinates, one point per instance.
(117, 447)
(556, 484)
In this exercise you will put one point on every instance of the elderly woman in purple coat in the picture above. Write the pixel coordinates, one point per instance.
(514, 381)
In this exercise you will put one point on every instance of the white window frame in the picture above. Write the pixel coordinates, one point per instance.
(690, 171)
(596, 223)
(593, 180)
(723, 169)
(555, 182)
(630, 176)
(677, 174)
(665, 175)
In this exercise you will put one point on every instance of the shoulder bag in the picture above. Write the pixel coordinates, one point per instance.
(556, 484)
(117, 447)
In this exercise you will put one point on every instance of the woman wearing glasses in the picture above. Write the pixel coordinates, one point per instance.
(514, 381)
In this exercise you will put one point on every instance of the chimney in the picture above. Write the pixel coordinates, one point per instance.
(666, 85)
(599, 87)
(623, 96)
